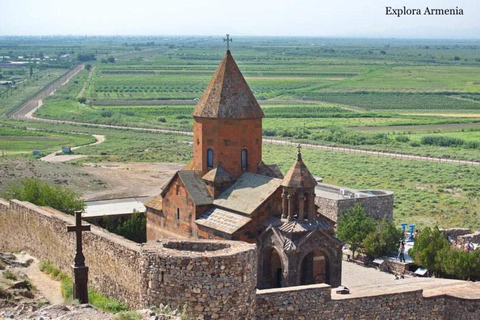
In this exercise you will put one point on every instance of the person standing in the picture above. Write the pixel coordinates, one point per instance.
(401, 252)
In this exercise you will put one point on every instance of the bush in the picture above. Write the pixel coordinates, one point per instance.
(134, 228)
(161, 119)
(353, 227)
(384, 240)
(42, 194)
(414, 144)
(402, 138)
(82, 100)
(106, 113)
(442, 141)
(427, 246)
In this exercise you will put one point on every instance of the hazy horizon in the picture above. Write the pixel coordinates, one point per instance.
(267, 18)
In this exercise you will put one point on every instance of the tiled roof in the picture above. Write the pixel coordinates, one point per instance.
(270, 170)
(247, 193)
(218, 174)
(228, 95)
(195, 186)
(222, 220)
(155, 203)
(299, 176)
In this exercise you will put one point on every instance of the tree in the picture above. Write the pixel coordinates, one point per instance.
(82, 100)
(353, 227)
(88, 66)
(427, 249)
(42, 194)
(133, 228)
(111, 59)
(383, 240)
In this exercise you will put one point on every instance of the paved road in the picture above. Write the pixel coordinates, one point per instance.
(28, 109)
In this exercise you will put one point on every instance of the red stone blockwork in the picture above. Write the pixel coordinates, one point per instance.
(227, 138)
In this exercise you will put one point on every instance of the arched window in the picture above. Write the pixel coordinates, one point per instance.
(209, 158)
(244, 159)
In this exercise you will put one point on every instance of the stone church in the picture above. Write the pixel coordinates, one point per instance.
(228, 192)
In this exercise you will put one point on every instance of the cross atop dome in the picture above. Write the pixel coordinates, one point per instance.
(228, 40)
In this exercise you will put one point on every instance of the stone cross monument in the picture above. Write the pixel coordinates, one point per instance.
(80, 270)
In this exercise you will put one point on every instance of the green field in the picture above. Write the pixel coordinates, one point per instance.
(15, 142)
(419, 97)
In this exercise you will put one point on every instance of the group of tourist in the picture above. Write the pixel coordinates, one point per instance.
(468, 246)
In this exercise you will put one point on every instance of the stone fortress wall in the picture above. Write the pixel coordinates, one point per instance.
(213, 279)
(378, 204)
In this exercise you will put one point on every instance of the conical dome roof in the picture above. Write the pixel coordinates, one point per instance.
(299, 176)
(228, 95)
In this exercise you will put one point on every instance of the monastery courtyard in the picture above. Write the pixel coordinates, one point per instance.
(364, 281)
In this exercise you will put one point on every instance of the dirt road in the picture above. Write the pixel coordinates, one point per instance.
(53, 157)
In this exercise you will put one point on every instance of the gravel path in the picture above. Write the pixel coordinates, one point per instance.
(49, 288)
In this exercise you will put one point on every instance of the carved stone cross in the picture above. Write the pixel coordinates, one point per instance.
(80, 270)
(228, 40)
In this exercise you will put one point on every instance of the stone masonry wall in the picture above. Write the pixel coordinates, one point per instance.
(114, 261)
(315, 302)
(378, 207)
(216, 279)
(213, 279)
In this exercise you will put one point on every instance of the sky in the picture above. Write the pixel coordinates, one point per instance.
(318, 18)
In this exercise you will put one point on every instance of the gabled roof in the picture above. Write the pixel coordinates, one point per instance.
(228, 95)
(196, 188)
(269, 170)
(222, 220)
(218, 175)
(299, 176)
(247, 193)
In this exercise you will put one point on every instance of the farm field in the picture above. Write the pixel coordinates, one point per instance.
(419, 97)
(20, 141)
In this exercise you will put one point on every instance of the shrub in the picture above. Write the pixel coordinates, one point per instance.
(82, 100)
(161, 119)
(42, 194)
(427, 246)
(442, 141)
(107, 113)
(383, 240)
(402, 138)
(133, 228)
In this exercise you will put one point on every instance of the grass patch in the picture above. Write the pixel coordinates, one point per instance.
(128, 315)
(7, 274)
(96, 299)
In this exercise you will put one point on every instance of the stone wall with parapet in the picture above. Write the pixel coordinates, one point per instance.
(212, 278)
(315, 302)
(217, 278)
(378, 206)
(114, 262)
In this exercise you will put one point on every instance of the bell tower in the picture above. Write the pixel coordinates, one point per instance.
(298, 196)
(227, 124)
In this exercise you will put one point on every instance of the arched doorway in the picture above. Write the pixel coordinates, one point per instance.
(314, 268)
(272, 272)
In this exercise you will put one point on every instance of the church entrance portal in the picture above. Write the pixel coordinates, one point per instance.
(314, 268)
(272, 269)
